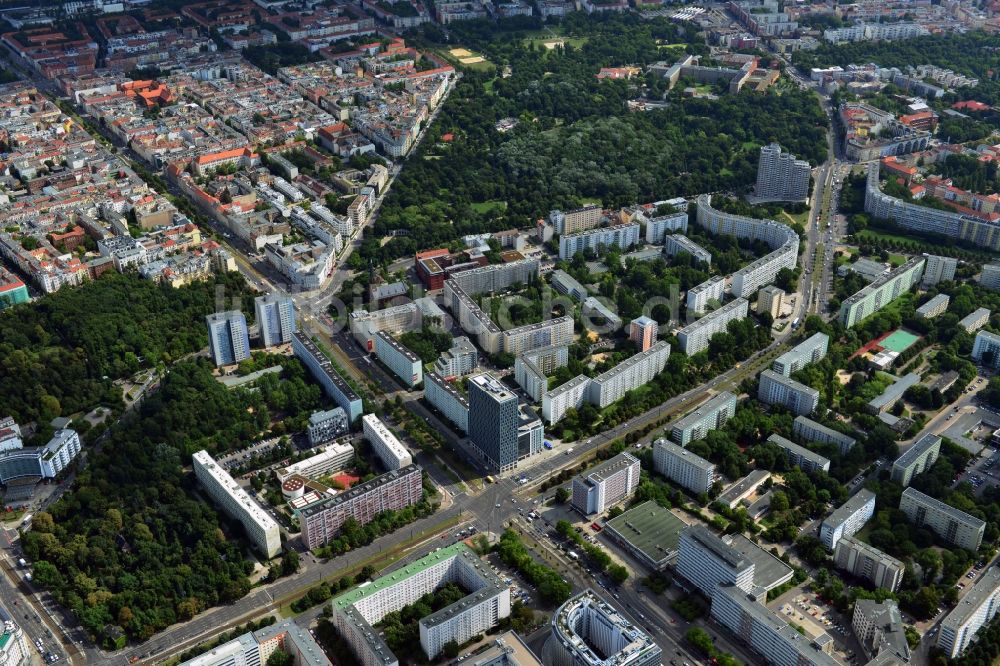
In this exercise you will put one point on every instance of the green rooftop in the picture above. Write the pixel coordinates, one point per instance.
(352, 597)
(649, 530)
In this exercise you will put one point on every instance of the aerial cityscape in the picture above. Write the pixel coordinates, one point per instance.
(500, 332)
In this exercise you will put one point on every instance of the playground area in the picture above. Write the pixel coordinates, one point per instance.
(466, 57)
(897, 341)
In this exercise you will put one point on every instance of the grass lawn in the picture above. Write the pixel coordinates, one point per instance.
(798, 218)
(539, 42)
(489, 206)
(870, 234)
(897, 259)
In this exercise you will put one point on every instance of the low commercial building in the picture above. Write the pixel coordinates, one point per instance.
(260, 528)
(390, 492)
(918, 459)
(880, 630)
(799, 456)
(974, 321)
(386, 446)
(809, 351)
(588, 631)
(322, 369)
(649, 532)
(567, 285)
(934, 307)
(328, 459)
(775, 389)
(881, 292)
(848, 518)
(705, 561)
(687, 469)
(694, 338)
(614, 480)
(255, 648)
(710, 415)
(986, 349)
(404, 363)
(976, 609)
(355, 612)
(868, 562)
(892, 394)
(951, 525)
(744, 488)
(326, 425)
(806, 430)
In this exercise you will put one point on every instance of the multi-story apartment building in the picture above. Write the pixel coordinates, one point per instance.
(770, 300)
(775, 389)
(493, 419)
(396, 320)
(35, 462)
(809, 351)
(799, 456)
(990, 277)
(868, 562)
(674, 244)
(14, 650)
(355, 612)
(781, 238)
(643, 332)
(275, 319)
(918, 459)
(328, 459)
(881, 292)
(392, 491)
(766, 632)
(848, 518)
(326, 425)
(531, 369)
(781, 177)
(658, 227)
(938, 269)
(254, 649)
(598, 489)
(566, 284)
(951, 525)
(331, 381)
(986, 349)
(552, 332)
(872, 32)
(461, 359)
(404, 363)
(694, 338)
(473, 319)
(386, 446)
(228, 338)
(974, 321)
(807, 430)
(938, 305)
(710, 415)
(700, 296)
(630, 374)
(683, 467)
(914, 217)
(260, 528)
(619, 235)
(495, 277)
(574, 221)
(588, 631)
(976, 609)
(445, 398)
(706, 562)
(879, 628)
(571, 395)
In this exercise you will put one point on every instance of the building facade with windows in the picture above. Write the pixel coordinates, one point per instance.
(884, 290)
(386, 446)
(781, 177)
(986, 349)
(447, 399)
(326, 425)
(694, 338)
(331, 381)
(228, 337)
(848, 518)
(493, 421)
(710, 415)
(621, 236)
(808, 351)
(868, 562)
(806, 430)
(701, 296)
(975, 610)
(951, 525)
(598, 489)
(685, 468)
(918, 459)
(776, 389)
(706, 561)
(275, 319)
(588, 631)
(799, 456)
(404, 363)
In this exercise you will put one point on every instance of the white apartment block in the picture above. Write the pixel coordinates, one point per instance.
(588, 631)
(683, 467)
(254, 649)
(975, 320)
(495, 277)
(806, 430)
(706, 561)
(953, 526)
(630, 374)
(710, 415)
(523, 339)
(781, 177)
(597, 490)
(579, 219)
(404, 363)
(386, 446)
(657, 228)
(866, 561)
(567, 285)
(934, 307)
(674, 244)
(473, 319)
(976, 609)
(848, 518)
(918, 459)
(261, 529)
(809, 351)
(990, 277)
(275, 319)
(328, 459)
(558, 401)
(775, 389)
(445, 398)
(620, 235)
(700, 296)
(531, 369)
(881, 292)
(938, 269)
(462, 359)
(986, 349)
(47, 462)
(398, 319)
(800, 456)
(355, 612)
(871, 32)
(326, 425)
(694, 338)
(766, 632)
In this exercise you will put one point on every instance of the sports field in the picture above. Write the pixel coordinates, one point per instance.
(899, 341)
